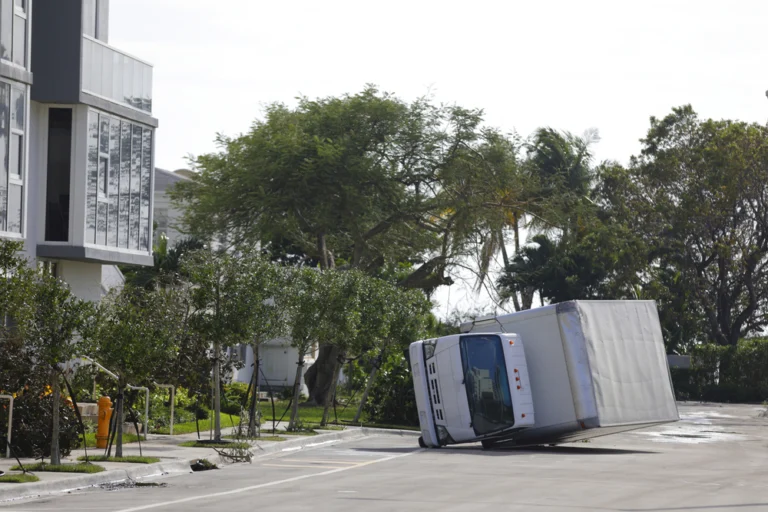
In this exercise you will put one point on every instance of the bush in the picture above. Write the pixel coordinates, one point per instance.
(725, 374)
(32, 416)
(392, 400)
(232, 398)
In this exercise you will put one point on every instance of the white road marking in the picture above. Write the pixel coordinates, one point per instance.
(297, 466)
(262, 486)
(349, 462)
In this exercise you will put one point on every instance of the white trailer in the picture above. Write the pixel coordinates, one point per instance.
(551, 375)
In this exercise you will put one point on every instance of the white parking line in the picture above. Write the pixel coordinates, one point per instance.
(261, 486)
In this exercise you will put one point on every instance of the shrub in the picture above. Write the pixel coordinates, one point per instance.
(725, 374)
(392, 399)
(232, 397)
(32, 416)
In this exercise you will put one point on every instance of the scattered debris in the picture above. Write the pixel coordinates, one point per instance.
(130, 484)
(203, 465)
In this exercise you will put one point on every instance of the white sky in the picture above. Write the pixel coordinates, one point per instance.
(571, 65)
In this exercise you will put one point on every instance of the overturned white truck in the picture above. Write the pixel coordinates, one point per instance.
(551, 375)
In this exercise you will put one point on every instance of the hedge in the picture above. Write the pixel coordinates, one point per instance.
(725, 374)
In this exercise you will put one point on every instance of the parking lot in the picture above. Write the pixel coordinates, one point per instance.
(716, 458)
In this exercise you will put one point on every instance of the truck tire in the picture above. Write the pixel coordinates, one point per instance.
(422, 444)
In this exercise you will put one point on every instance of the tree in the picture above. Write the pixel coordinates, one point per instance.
(268, 284)
(363, 181)
(166, 270)
(343, 324)
(402, 317)
(136, 336)
(306, 307)
(225, 292)
(698, 196)
(50, 323)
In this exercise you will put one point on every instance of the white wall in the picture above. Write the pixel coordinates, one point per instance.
(34, 197)
(84, 279)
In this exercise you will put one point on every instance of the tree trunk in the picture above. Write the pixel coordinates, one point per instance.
(527, 296)
(516, 226)
(216, 394)
(368, 386)
(320, 375)
(296, 394)
(255, 398)
(119, 423)
(56, 399)
(322, 251)
(331, 396)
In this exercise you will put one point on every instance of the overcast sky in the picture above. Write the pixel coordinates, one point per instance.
(572, 65)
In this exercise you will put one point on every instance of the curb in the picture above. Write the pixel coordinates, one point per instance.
(105, 477)
(177, 467)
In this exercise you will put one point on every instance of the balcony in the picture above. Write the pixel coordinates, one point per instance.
(116, 76)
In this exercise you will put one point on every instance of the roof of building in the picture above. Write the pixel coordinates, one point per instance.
(165, 178)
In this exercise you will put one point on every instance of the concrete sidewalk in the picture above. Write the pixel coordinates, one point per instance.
(174, 459)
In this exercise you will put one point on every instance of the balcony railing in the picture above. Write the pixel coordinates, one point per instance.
(116, 76)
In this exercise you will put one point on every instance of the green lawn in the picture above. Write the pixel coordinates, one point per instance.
(61, 468)
(135, 459)
(18, 479)
(308, 414)
(90, 439)
(205, 426)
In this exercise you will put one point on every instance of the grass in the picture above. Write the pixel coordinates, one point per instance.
(308, 414)
(191, 428)
(90, 439)
(135, 459)
(61, 468)
(18, 479)
(198, 444)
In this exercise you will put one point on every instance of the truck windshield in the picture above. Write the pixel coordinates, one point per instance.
(485, 377)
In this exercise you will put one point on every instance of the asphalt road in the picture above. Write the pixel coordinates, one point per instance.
(716, 459)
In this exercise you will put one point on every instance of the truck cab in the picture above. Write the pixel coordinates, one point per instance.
(471, 387)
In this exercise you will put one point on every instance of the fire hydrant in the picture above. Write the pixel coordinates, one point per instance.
(105, 415)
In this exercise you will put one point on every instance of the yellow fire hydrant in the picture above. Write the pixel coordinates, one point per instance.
(105, 415)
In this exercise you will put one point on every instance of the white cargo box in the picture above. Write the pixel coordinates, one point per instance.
(595, 367)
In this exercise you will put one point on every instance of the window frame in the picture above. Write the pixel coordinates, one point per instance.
(502, 364)
(13, 178)
(95, 20)
(104, 198)
(20, 12)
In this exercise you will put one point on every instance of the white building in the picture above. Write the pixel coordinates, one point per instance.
(76, 142)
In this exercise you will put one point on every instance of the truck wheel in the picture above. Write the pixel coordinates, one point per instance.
(422, 444)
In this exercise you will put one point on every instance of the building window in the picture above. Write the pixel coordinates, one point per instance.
(13, 31)
(12, 156)
(90, 18)
(59, 174)
(119, 183)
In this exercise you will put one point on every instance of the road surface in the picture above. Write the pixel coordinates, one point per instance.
(714, 460)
